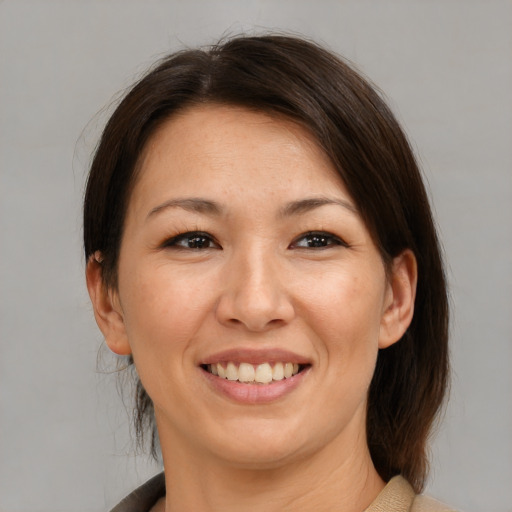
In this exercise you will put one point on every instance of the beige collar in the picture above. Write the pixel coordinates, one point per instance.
(397, 496)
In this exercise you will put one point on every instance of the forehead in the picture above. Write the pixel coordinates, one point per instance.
(229, 150)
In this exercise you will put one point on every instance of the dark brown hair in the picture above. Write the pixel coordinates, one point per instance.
(288, 76)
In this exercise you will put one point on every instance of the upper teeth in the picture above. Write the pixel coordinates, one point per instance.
(261, 373)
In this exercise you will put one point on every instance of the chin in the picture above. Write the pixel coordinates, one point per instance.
(264, 459)
(263, 446)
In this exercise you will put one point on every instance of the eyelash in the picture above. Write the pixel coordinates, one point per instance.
(317, 240)
(188, 237)
(322, 239)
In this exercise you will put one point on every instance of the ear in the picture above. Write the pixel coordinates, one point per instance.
(107, 310)
(399, 301)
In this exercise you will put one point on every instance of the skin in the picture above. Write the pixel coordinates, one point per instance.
(253, 284)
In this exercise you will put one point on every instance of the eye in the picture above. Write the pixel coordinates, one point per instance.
(317, 240)
(194, 240)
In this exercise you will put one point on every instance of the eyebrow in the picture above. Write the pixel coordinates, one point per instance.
(208, 207)
(305, 205)
(191, 204)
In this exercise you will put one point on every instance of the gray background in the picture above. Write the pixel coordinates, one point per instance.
(446, 67)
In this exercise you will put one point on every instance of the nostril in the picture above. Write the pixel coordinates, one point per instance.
(255, 306)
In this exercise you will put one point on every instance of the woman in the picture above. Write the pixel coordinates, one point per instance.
(259, 241)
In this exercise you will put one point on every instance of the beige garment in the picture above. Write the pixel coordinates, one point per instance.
(399, 496)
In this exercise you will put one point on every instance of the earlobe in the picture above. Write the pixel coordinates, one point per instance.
(399, 304)
(106, 307)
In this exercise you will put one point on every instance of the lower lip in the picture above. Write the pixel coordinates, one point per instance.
(254, 393)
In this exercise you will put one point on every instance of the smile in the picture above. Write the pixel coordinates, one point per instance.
(255, 376)
(248, 373)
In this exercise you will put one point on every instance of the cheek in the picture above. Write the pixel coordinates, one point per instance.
(344, 312)
(162, 308)
(344, 304)
(163, 312)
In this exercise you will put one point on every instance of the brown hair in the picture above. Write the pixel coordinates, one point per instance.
(350, 121)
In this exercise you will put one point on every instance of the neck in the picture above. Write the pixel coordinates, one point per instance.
(196, 481)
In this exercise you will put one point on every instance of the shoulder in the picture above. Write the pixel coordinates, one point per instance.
(144, 497)
(399, 496)
(422, 503)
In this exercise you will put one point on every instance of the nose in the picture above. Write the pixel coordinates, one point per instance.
(254, 295)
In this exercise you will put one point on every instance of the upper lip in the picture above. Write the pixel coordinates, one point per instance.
(255, 356)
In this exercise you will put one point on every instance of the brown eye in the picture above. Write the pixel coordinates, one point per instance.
(317, 240)
(193, 240)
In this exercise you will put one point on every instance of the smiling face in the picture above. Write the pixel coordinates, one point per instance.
(250, 292)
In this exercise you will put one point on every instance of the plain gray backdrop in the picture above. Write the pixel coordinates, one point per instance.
(446, 68)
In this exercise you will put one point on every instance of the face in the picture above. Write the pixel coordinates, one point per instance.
(250, 292)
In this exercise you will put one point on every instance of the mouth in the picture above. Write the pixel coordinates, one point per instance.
(249, 373)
